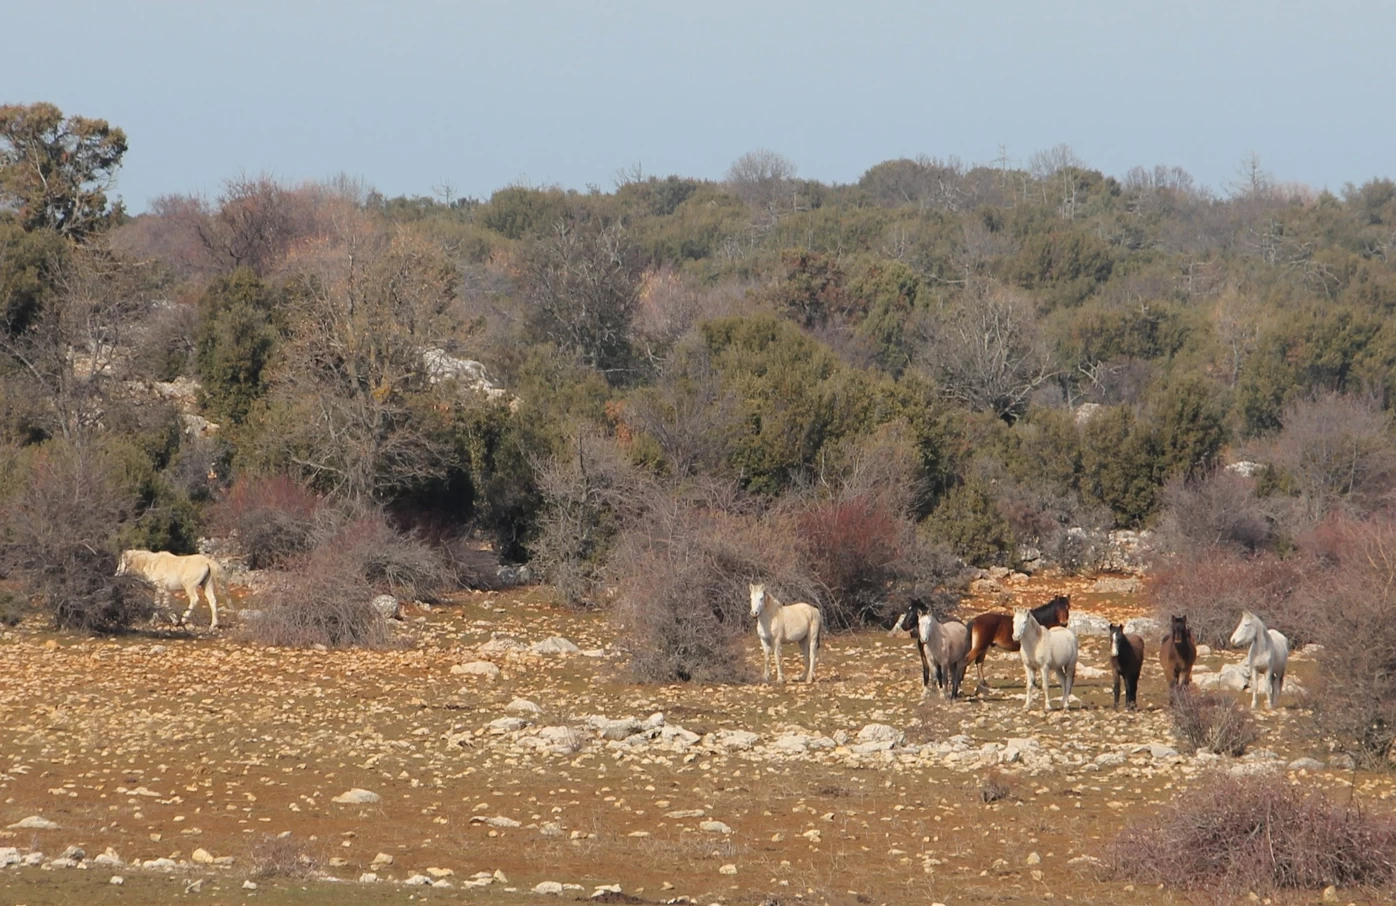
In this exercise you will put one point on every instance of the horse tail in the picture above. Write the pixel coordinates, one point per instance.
(217, 578)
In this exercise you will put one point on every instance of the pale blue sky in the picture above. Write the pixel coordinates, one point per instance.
(416, 93)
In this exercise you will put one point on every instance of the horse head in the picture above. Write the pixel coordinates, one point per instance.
(912, 618)
(1117, 636)
(1245, 630)
(758, 598)
(1021, 616)
(1180, 629)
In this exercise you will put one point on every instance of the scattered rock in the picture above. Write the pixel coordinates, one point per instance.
(418, 881)
(1117, 585)
(1233, 677)
(1305, 764)
(548, 888)
(500, 726)
(388, 607)
(249, 885)
(368, 877)
(1149, 628)
(1033, 859)
(357, 796)
(554, 645)
(9, 855)
(881, 733)
(740, 740)
(201, 857)
(34, 822)
(118, 880)
(714, 827)
(476, 668)
(728, 869)
(1088, 624)
(75, 853)
(522, 706)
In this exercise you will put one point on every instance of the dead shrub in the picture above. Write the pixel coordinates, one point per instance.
(590, 493)
(1350, 591)
(994, 786)
(388, 560)
(60, 524)
(682, 574)
(282, 857)
(1257, 834)
(1211, 722)
(1212, 588)
(272, 517)
(1218, 510)
(854, 548)
(1337, 455)
(321, 598)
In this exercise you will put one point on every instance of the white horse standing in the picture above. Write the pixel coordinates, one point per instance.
(1045, 649)
(948, 646)
(1269, 655)
(777, 623)
(171, 572)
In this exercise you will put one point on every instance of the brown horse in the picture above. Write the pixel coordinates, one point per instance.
(990, 629)
(1126, 659)
(1177, 654)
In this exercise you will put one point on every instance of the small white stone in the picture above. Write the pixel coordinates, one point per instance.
(118, 880)
(728, 869)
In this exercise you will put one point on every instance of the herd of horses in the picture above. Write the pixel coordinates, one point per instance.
(1040, 635)
(1042, 639)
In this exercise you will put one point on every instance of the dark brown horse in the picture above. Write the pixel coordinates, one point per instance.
(990, 629)
(1126, 659)
(1177, 654)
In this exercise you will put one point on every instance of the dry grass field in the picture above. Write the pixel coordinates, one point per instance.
(227, 760)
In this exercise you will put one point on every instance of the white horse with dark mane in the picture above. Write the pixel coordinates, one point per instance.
(1268, 657)
(777, 623)
(172, 572)
(1046, 650)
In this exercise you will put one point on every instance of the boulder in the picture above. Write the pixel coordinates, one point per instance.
(501, 725)
(1147, 627)
(1088, 624)
(554, 645)
(522, 706)
(878, 733)
(388, 607)
(735, 739)
(357, 796)
(1117, 585)
(477, 668)
(34, 822)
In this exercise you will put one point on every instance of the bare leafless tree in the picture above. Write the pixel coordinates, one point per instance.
(988, 353)
(353, 369)
(687, 412)
(763, 179)
(1338, 451)
(582, 286)
(72, 352)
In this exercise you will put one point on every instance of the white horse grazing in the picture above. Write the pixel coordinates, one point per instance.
(947, 644)
(171, 572)
(1045, 649)
(1269, 655)
(777, 623)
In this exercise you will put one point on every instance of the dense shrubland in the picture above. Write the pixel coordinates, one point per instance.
(841, 388)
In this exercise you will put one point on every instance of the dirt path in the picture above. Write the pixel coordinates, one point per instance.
(205, 749)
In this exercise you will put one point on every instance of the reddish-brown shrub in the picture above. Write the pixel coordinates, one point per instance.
(271, 517)
(1212, 587)
(855, 550)
(1219, 510)
(1350, 592)
(321, 598)
(1237, 834)
(1211, 722)
(682, 575)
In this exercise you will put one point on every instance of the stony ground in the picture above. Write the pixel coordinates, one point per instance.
(476, 764)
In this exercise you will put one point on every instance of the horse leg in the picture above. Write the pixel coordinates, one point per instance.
(811, 644)
(780, 674)
(1132, 693)
(765, 661)
(925, 668)
(1117, 691)
(1255, 685)
(193, 592)
(212, 601)
(1046, 691)
(1027, 693)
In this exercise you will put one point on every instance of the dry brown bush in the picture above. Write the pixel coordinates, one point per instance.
(321, 598)
(1252, 834)
(1218, 510)
(272, 517)
(1337, 454)
(1351, 592)
(283, 857)
(1211, 589)
(1211, 722)
(388, 560)
(59, 529)
(682, 576)
(591, 492)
